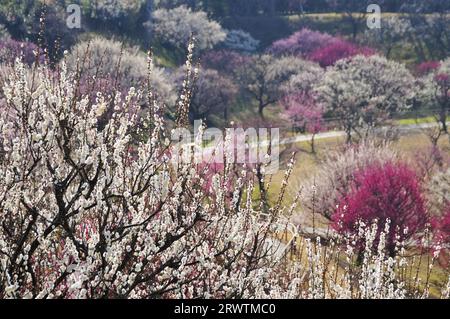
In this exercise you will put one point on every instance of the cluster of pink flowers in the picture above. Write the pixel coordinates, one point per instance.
(427, 67)
(388, 192)
(319, 47)
(337, 50)
(304, 111)
(301, 43)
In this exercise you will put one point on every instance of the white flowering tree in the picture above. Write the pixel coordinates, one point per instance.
(363, 92)
(434, 94)
(176, 26)
(89, 212)
(267, 78)
(122, 65)
(240, 40)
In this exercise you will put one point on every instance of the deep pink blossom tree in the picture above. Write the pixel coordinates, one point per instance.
(301, 43)
(442, 227)
(337, 50)
(389, 192)
(305, 113)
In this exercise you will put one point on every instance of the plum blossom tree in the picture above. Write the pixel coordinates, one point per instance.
(434, 91)
(337, 50)
(305, 113)
(212, 94)
(322, 191)
(427, 67)
(265, 77)
(393, 32)
(438, 191)
(224, 61)
(176, 26)
(384, 193)
(301, 43)
(11, 49)
(240, 40)
(362, 92)
(85, 213)
(122, 66)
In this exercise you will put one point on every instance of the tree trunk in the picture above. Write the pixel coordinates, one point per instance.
(313, 146)
(261, 110)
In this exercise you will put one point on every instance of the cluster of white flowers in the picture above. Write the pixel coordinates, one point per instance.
(241, 41)
(363, 91)
(177, 25)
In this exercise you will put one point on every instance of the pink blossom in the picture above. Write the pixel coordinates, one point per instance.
(301, 43)
(427, 67)
(338, 50)
(388, 192)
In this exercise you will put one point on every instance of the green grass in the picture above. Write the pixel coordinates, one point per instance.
(422, 120)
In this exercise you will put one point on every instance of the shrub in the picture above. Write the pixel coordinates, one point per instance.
(384, 193)
(176, 26)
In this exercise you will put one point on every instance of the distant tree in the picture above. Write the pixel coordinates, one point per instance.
(388, 193)
(353, 11)
(265, 76)
(22, 19)
(428, 33)
(240, 40)
(301, 43)
(11, 49)
(393, 31)
(363, 92)
(434, 91)
(337, 50)
(109, 59)
(212, 94)
(225, 61)
(176, 26)
(438, 191)
(305, 113)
